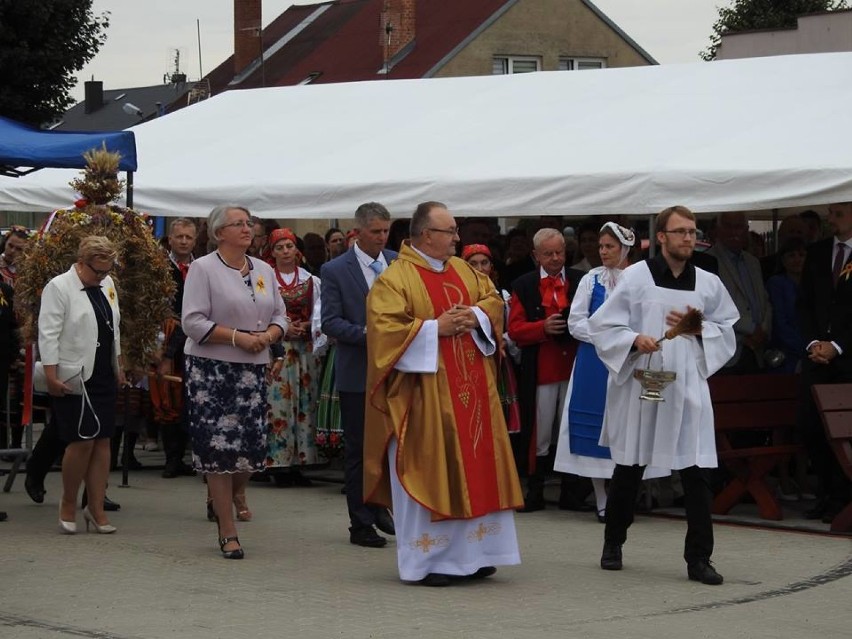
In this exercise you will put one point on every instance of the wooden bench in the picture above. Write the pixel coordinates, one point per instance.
(834, 402)
(753, 403)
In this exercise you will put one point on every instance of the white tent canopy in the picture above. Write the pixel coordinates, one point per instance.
(729, 135)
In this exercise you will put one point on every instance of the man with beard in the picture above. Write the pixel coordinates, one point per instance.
(677, 433)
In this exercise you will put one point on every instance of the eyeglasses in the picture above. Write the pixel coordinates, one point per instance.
(100, 273)
(683, 232)
(452, 231)
(239, 225)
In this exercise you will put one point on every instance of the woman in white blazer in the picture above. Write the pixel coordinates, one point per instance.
(79, 345)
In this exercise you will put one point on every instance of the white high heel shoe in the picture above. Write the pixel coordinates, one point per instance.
(67, 527)
(106, 529)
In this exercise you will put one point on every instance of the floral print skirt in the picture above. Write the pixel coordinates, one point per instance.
(293, 398)
(226, 406)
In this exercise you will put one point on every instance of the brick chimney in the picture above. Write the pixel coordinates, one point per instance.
(397, 26)
(247, 29)
(94, 96)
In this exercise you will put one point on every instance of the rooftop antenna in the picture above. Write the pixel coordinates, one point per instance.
(198, 31)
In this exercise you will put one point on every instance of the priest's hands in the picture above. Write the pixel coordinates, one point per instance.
(646, 344)
(457, 321)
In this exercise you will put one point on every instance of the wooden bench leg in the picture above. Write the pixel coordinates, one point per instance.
(767, 504)
(730, 496)
(842, 523)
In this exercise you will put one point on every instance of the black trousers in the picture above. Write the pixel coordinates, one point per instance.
(352, 415)
(698, 499)
(45, 452)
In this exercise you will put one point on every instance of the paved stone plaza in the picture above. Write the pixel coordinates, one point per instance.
(161, 575)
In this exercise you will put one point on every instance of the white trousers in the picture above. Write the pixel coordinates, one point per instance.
(455, 547)
(550, 401)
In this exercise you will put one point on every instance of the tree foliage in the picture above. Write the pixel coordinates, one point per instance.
(747, 15)
(43, 43)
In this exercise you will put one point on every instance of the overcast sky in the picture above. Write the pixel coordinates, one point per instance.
(144, 35)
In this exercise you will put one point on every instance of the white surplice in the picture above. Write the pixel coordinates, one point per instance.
(678, 432)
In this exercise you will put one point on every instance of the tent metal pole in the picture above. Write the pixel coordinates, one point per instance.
(652, 233)
(775, 229)
(130, 189)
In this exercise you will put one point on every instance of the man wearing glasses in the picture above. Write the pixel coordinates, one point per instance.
(435, 439)
(676, 433)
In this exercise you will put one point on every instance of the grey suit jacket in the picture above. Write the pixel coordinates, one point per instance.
(729, 274)
(344, 317)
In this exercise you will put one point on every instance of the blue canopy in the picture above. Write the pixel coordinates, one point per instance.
(25, 146)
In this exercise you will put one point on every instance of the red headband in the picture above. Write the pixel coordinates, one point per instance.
(473, 249)
(281, 234)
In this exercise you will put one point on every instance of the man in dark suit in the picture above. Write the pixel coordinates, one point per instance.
(346, 280)
(182, 236)
(825, 308)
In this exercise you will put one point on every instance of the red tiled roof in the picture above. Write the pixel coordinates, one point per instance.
(343, 43)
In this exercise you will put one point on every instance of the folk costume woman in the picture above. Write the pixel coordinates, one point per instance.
(479, 257)
(293, 394)
(578, 451)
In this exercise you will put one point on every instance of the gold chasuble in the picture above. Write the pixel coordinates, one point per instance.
(453, 455)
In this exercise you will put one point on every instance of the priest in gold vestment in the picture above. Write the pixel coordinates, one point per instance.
(436, 447)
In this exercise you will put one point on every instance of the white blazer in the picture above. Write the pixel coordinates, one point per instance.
(67, 326)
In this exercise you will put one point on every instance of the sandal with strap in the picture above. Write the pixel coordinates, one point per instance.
(231, 554)
(243, 512)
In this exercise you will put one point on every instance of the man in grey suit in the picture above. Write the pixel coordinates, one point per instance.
(741, 274)
(346, 280)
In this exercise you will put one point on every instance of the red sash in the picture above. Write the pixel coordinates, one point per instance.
(468, 389)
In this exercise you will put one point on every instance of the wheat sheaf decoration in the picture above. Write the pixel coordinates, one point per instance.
(141, 273)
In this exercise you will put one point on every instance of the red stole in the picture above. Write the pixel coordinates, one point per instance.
(468, 390)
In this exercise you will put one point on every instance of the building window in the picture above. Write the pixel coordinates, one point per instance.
(503, 65)
(581, 64)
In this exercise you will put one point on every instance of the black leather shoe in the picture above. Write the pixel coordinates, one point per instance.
(703, 571)
(110, 505)
(531, 506)
(35, 490)
(170, 472)
(366, 537)
(570, 502)
(436, 580)
(3, 515)
(602, 516)
(482, 573)
(611, 557)
(384, 522)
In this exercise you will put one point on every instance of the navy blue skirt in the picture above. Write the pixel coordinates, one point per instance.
(226, 407)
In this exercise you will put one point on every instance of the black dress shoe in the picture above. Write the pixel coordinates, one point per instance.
(366, 537)
(283, 480)
(703, 571)
(300, 480)
(570, 502)
(482, 573)
(110, 505)
(531, 506)
(602, 516)
(35, 490)
(384, 522)
(611, 557)
(3, 515)
(436, 580)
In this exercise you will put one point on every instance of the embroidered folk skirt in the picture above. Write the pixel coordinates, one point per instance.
(329, 428)
(226, 407)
